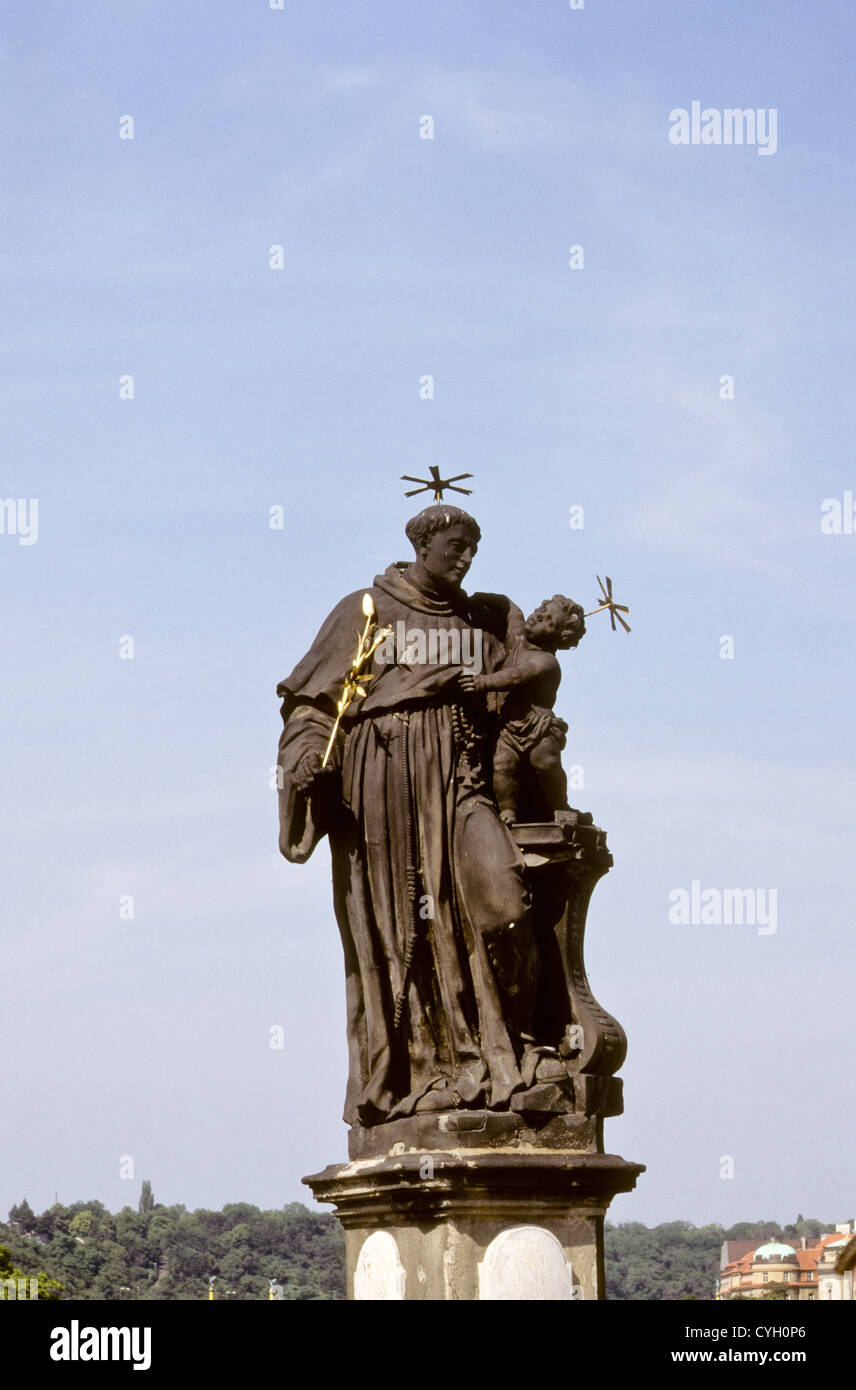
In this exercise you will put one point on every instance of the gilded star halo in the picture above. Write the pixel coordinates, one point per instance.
(436, 484)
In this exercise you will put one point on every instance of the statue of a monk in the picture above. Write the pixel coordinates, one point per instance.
(429, 887)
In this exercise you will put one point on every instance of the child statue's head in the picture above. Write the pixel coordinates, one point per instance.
(558, 621)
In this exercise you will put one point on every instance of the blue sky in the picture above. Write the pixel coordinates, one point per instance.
(299, 387)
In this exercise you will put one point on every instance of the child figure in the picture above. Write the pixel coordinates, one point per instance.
(527, 769)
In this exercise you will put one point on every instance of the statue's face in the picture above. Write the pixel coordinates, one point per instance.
(449, 554)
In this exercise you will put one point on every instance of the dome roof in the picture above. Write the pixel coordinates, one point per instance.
(775, 1250)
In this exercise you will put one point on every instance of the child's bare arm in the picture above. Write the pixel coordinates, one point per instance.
(529, 666)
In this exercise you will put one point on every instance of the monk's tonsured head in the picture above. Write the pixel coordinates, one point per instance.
(445, 540)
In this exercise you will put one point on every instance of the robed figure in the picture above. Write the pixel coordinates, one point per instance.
(430, 892)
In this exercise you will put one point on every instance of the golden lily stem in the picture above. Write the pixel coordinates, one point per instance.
(363, 654)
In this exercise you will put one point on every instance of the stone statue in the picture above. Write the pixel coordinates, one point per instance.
(481, 1067)
(462, 994)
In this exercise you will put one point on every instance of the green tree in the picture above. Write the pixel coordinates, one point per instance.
(23, 1216)
(147, 1201)
(48, 1289)
(811, 1229)
(81, 1225)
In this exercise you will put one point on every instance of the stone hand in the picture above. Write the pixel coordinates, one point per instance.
(468, 682)
(308, 771)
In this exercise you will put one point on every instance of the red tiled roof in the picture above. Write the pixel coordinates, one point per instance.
(831, 1239)
(736, 1249)
(806, 1259)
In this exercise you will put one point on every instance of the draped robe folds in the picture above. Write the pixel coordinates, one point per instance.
(422, 865)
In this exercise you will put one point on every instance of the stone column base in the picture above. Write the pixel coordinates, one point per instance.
(475, 1223)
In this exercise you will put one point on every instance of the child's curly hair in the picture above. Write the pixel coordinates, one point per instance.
(574, 626)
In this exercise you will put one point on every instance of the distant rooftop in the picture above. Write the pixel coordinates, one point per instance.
(775, 1250)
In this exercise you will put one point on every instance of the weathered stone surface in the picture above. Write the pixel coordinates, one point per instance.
(598, 1095)
(445, 1208)
(546, 1097)
(527, 1263)
(477, 1129)
(550, 1069)
(379, 1274)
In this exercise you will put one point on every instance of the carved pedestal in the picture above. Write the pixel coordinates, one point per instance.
(478, 1204)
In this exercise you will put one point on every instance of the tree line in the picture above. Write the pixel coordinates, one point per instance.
(83, 1251)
